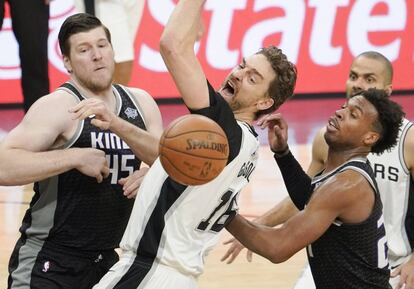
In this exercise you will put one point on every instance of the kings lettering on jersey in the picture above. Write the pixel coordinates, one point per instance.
(107, 140)
(120, 165)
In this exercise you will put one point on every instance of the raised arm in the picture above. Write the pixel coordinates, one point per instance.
(177, 49)
(30, 151)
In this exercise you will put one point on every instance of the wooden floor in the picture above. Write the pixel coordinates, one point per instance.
(264, 191)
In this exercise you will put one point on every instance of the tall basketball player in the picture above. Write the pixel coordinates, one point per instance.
(394, 173)
(172, 226)
(82, 172)
(340, 222)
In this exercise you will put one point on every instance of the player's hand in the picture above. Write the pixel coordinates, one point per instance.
(277, 131)
(102, 116)
(131, 183)
(234, 251)
(406, 273)
(91, 162)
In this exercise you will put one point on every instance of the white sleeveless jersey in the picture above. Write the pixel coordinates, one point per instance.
(193, 217)
(395, 186)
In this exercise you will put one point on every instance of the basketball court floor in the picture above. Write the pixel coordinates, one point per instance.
(305, 118)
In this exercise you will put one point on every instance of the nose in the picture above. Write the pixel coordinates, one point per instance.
(96, 54)
(339, 113)
(358, 85)
(238, 74)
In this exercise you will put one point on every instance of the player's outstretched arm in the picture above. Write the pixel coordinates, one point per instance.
(332, 200)
(277, 215)
(30, 152)
(177, 50)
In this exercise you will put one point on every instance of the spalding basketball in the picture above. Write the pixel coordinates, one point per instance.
(193, 149)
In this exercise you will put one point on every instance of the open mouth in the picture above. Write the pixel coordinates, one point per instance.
(333, 122)
(229, 88)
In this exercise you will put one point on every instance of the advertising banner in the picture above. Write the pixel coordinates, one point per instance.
(320, 36)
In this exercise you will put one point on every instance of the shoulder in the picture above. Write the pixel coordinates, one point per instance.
(345, 187)
(319, 146)
(55, 104)
(142, 97)
(409, 149)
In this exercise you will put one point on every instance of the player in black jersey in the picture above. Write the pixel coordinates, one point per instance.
(340, 221)
(83, 169)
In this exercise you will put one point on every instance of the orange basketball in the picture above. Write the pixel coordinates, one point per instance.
(193, 149)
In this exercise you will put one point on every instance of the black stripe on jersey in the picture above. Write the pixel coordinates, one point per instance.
(409, 218)
(151, 238)
(70, 86)
(251, 129)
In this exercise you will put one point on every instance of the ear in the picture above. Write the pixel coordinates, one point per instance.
(67, 64)
(265, 103)
(388, 89)
(371, 138)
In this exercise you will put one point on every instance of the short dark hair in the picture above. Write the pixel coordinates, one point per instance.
(282, 87)
(80, 22)
(389, 120)
(389, 71)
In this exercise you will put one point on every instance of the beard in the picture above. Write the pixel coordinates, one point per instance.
(96, 86)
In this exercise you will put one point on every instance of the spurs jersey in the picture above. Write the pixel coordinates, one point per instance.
(72, 210)
(351, 255)
(396, 188)
(175, 226)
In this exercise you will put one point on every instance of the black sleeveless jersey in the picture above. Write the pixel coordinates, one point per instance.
(73, 210)
(351, 255)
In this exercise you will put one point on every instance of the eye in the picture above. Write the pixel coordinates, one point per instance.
(252, 80)
(370, 80)
(352, 77)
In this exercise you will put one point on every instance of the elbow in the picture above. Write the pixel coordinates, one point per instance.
(169, 45)
(280, 254)
(278, 258)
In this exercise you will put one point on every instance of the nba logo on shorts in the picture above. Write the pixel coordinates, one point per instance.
(46, 266)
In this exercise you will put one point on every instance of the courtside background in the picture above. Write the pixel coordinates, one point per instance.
(320, 36)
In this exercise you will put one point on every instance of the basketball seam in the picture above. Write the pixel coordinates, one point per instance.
(194, 155)
(180, 134)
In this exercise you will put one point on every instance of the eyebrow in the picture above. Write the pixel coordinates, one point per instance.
(255, 71)
(364, 74)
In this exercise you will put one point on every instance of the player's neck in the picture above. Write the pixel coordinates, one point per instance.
(337, 158)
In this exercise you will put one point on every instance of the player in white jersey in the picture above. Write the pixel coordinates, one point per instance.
(173, 226)
(395, 181)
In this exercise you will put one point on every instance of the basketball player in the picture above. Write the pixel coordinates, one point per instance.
(80, 208)
(394, 173)
(122, 17)
(173, 226)
(340, 221)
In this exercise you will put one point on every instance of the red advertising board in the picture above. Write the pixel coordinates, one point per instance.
(320, 36)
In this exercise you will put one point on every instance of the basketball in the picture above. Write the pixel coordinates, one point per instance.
(193, 150)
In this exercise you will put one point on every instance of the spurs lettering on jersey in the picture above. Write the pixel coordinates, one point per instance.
(387, 173)
(109, 141)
